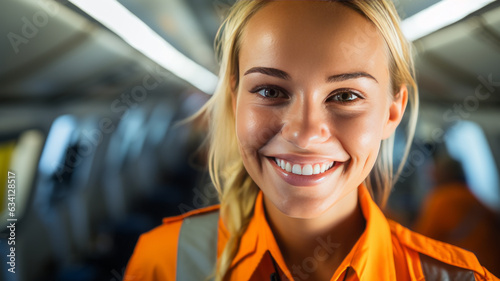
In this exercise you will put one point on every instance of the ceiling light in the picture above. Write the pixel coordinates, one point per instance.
(140, 36)
(438, 16)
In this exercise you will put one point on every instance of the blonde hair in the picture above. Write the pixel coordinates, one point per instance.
(237, 191)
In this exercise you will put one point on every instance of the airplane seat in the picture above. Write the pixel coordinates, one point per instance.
(19, 153)
(46, 219)
(183, 174)
(142, 164)
(94, 193)
(121, 142)
(85, 204)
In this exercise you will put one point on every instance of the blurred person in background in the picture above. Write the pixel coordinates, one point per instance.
(452, 214)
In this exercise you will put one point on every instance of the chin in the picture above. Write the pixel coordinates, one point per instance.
(310, 204)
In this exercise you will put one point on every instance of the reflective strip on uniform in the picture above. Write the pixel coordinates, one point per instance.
(197, 247)
(435, 270)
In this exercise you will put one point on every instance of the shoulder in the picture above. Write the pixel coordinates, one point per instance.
(434, 259)
(155, 254)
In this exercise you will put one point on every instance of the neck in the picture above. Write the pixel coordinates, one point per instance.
(331, 235)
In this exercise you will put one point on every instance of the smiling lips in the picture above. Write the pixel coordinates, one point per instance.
(304, 170)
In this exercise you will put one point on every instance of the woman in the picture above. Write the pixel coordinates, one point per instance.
(301, 138)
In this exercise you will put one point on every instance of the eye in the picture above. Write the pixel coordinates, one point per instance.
(270, 92)
(345, 96)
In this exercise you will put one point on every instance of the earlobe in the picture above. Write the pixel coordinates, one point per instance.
(396, 111)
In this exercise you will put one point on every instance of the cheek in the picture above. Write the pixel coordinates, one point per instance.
(255, 126)
(361, 136)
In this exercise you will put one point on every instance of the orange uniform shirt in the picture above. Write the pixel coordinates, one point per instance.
(385, 251)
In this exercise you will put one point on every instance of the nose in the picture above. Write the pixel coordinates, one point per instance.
(306, 124)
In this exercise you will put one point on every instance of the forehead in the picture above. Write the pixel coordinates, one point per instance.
(315, 35)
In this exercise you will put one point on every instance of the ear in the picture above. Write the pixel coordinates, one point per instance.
(396, 112)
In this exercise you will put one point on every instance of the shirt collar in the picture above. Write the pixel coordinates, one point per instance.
(371, 256)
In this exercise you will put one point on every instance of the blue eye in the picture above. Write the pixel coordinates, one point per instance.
(272, 93)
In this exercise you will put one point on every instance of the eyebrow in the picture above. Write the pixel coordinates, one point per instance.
(331, 79)
(348, 76)
(269, 71)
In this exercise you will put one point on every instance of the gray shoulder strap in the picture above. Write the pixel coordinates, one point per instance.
(197, 247)
(435, 270)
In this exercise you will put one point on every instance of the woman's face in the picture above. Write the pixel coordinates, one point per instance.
(313, 103)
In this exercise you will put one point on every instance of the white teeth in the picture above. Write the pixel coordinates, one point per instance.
(296, 169)
(306, 170)
(317, 169)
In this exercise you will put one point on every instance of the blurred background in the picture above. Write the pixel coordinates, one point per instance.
(90, 93)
